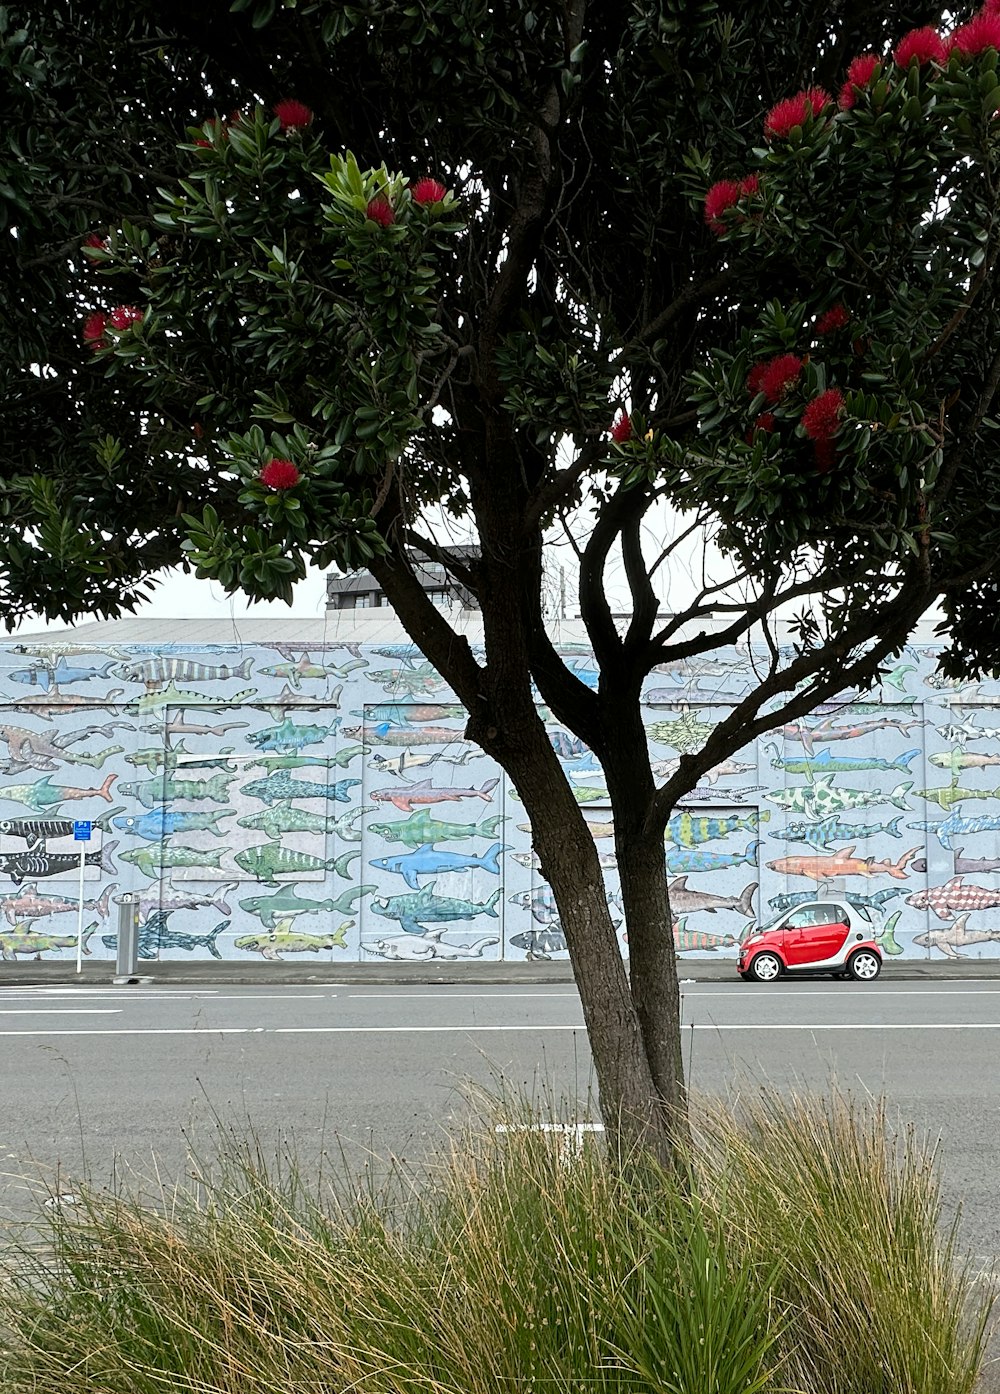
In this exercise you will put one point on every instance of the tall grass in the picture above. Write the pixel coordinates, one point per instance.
(802, 1254)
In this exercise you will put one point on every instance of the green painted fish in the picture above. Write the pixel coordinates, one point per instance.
(274, 945)
(150, 860)
(421, 828)
(423, 906)
(686, 734)
(276, 761)
(947, 797)
(821, 799)
(286, 903)
(157, 791)
(171, 696)
(44, 794)
(271, 860)
(28, 943)
(284, 818)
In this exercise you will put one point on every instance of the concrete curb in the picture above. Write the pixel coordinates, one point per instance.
(213, 975)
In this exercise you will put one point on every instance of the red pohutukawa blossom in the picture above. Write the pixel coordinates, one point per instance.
(380, 211)
(725, 195)
(836, 317)
(821, 418)
(293, 115)
(925, 45)
(778, 375)
(782, 119)
(981, 32)
(125, 316)
(860, 72)
(94, 242)
(428, 191)
(621, 429)
(765, 422)
(93, 330)
(991, 7)
(280, 474)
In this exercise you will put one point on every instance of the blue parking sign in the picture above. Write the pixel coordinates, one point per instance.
(81, 829)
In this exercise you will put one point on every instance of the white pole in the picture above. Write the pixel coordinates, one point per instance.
(79, 918)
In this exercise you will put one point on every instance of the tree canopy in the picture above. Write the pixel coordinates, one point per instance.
(280, 280)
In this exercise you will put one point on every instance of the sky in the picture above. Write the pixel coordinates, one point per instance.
(185, 597)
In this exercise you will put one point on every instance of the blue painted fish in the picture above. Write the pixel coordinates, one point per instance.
(957, 826)
(279, 787)
(829, 831)
(155, 935)
(688, 829)
(780, 903)
(45, 678)
(161, 822)
(426, 860)
(425, 907)
(687, 860)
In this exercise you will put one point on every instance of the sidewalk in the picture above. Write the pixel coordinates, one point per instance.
(212, 974)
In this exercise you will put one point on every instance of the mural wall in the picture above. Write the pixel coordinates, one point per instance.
(272, 802)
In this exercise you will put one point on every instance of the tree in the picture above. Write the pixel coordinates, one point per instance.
(280, 281)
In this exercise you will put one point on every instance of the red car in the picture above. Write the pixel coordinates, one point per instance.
(819, 936)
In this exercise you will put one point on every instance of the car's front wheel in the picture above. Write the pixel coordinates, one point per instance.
(864, 966)
(765, 968)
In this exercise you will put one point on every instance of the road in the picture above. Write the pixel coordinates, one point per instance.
(101, 1080)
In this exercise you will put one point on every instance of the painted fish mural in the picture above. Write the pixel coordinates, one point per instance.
(273, 945)
(425, 906)
(954, 896)
(827, 866)
(780, 903)
(957, 826)
(426, 792)
(289, 737)
(173, 696)
(30, 943)
(430, 944)
(162, 822)
(409, 760)
(35, 831)
(421, 828)
(31, 862)
(165, 855)
(151, 792)
(687, 733)
(426, 860)
(684, 901)
(286, 903)
(46, 678)
(285, 818)
(44, 794)
(694, 859)
(279, 787)
(956, 936)
(822, 798)
(155, 672)
(155, 935)
(688, 829)
(31, 904)
(830, 830)
(540, 943)
(269, 860)
(826, 763)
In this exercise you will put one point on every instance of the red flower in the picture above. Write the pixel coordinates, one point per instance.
(95, 242)
(380, 211)
(981, 32)
(754, 378)
(836, 317)
(765, 422)
(795, 111)
(991, 7)
(621, 430)
(925, 45)
(725, 195)
(778, 375)
(125, 316)
(93, 330)
(293, 115)
(860, 72)
(821, 418)
(280, 474)
(428, 191)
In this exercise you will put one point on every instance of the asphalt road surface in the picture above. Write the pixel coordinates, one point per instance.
(112, 1082)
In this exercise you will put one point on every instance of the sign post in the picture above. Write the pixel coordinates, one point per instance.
(81, 834)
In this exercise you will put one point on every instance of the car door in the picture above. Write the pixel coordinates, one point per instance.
(825, 936)
(797, 944)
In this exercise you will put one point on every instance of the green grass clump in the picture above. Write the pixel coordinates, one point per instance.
(800, 1251)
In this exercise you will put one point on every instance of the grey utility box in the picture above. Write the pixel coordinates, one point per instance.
(127, 964)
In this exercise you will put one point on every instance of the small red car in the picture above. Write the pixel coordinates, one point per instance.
(819, 936)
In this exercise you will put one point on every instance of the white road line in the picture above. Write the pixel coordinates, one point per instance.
(60, 1011)
(453, 996)
(474, 1028)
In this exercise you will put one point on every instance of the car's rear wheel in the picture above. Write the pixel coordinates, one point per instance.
(765, 968)
(864, 966)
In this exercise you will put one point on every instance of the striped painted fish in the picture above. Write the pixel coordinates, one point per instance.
(829, 831)
(159, 670)
(688, 829)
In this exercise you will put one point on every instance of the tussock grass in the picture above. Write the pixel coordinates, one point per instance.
(800, 1252)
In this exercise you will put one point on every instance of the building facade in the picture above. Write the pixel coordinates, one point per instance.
(307, 792)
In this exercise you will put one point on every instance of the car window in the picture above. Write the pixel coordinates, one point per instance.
(833, 914)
